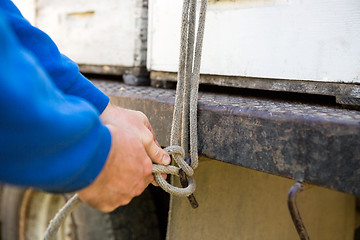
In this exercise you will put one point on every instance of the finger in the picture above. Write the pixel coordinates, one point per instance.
(152, 179)
(156, 153)
(148, 125)
(164, 175)
(154, 183)
(145, 120)
(157, 143)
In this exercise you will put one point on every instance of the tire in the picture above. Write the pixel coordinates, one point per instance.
(25, 214)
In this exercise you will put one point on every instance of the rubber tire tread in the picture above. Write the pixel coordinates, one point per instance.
(11, 199)
(137, 220)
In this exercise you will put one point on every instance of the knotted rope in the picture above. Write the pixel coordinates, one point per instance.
(184, 124)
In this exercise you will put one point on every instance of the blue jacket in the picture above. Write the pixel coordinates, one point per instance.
(51, 137)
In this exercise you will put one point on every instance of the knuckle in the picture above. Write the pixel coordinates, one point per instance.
(141, 188)
(147, 137)
(126, 201)
(147, 170)
(141, 115)
(151, 178)
(158, 155)
(105, 207)
(138, 192)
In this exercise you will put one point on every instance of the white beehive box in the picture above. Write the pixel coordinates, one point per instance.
(104, 36)
(316, 41)
(27, 8)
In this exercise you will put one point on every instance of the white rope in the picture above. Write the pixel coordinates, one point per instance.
(186, 99)
(59, 218)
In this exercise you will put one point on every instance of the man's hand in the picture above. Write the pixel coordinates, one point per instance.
(128, 169)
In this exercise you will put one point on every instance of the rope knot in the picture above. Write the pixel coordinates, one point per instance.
(177, 153)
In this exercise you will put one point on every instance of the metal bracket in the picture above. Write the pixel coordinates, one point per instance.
(294, 211)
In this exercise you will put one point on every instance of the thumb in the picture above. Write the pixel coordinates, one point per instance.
(157, 154)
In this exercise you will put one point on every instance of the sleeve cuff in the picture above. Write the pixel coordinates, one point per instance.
(83, 88)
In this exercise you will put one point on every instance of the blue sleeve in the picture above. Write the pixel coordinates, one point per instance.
(48, 139)
(64, 72)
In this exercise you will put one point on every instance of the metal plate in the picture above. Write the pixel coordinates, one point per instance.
(314, 144)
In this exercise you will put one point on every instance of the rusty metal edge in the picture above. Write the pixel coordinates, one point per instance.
(318, 151)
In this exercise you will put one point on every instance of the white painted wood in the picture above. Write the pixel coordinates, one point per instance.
(95, 32)
(284, 39)
(27, 8)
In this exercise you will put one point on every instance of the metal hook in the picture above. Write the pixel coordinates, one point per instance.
(184, 183)
(294, 211)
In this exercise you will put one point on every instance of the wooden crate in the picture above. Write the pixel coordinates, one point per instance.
(267, 44)
(101, 37)
(27, 8)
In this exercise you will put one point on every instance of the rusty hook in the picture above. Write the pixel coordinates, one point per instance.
(184, 183)
(294, 211)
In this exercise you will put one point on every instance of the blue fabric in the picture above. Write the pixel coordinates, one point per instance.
(64, 72)
(51, 137)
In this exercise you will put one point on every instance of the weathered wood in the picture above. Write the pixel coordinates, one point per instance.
(276, 39)
(342, 91)
(113, 33)
(113, 70)
(28, 9)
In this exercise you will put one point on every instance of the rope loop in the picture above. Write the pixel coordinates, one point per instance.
(177, 154)
(184, 125)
